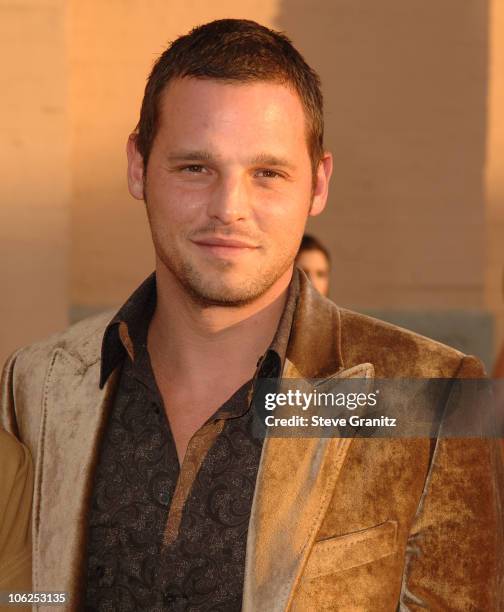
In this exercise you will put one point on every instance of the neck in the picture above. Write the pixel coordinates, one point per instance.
(193, 341)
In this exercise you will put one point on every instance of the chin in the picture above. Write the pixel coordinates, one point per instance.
(226, 286)
(223, 294)
(228, 290)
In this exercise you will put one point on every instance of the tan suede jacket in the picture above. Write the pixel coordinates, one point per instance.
(16, 491)
(336, 524)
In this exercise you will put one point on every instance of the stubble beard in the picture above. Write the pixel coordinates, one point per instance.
(207, 293)
(213, 289)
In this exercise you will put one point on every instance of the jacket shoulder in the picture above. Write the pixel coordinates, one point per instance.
(398, 352)
(82, 340)
(24, 373)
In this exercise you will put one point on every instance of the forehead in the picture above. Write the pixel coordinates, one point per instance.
(193, 108)
(313, 257)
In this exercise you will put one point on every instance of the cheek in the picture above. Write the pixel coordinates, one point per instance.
(169, 201)
(283, 212)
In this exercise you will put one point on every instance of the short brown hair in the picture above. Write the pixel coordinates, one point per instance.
(310, 243)
(234, 50)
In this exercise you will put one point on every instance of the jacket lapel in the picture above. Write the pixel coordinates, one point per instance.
(295, 482)
(296, 476)
(73, 417)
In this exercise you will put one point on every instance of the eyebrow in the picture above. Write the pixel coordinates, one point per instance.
(263, 159)
(190, 156)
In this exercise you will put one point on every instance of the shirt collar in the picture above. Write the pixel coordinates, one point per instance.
(271, 363)
(125, 331)
(122, 333)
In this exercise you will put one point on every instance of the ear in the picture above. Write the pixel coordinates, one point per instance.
(135, 168)
(321, 188)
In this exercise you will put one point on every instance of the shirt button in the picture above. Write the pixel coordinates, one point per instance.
(174, 598)
(169, 599)
(164, 498)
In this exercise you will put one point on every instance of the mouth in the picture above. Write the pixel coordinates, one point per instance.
(224, 247)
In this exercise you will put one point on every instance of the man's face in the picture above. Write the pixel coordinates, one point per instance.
(314, 263)
(228, 186)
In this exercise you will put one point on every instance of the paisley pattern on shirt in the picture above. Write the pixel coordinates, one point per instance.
(161, 537)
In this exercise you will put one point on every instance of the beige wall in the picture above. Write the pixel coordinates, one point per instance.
(34, 161)
(405, 85)
(494, 294)
(412, 90)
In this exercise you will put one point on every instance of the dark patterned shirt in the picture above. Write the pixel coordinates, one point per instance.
(163, 536)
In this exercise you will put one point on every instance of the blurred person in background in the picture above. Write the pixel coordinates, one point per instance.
(498, 373)
(314, 259)
(498, 370)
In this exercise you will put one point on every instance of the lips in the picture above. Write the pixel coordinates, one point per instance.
(225, 242)
(225, 248)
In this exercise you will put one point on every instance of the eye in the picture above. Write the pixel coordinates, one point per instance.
(193, 169)
(265, 173)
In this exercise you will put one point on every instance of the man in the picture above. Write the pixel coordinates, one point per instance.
(152, 490)
(314, 259)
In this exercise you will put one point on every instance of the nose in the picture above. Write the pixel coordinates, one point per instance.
(230, 200)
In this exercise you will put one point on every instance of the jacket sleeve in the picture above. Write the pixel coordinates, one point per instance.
(8, 420)
(16, 490)
(454, 554)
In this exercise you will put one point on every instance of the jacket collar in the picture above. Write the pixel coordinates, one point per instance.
(314, 349)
